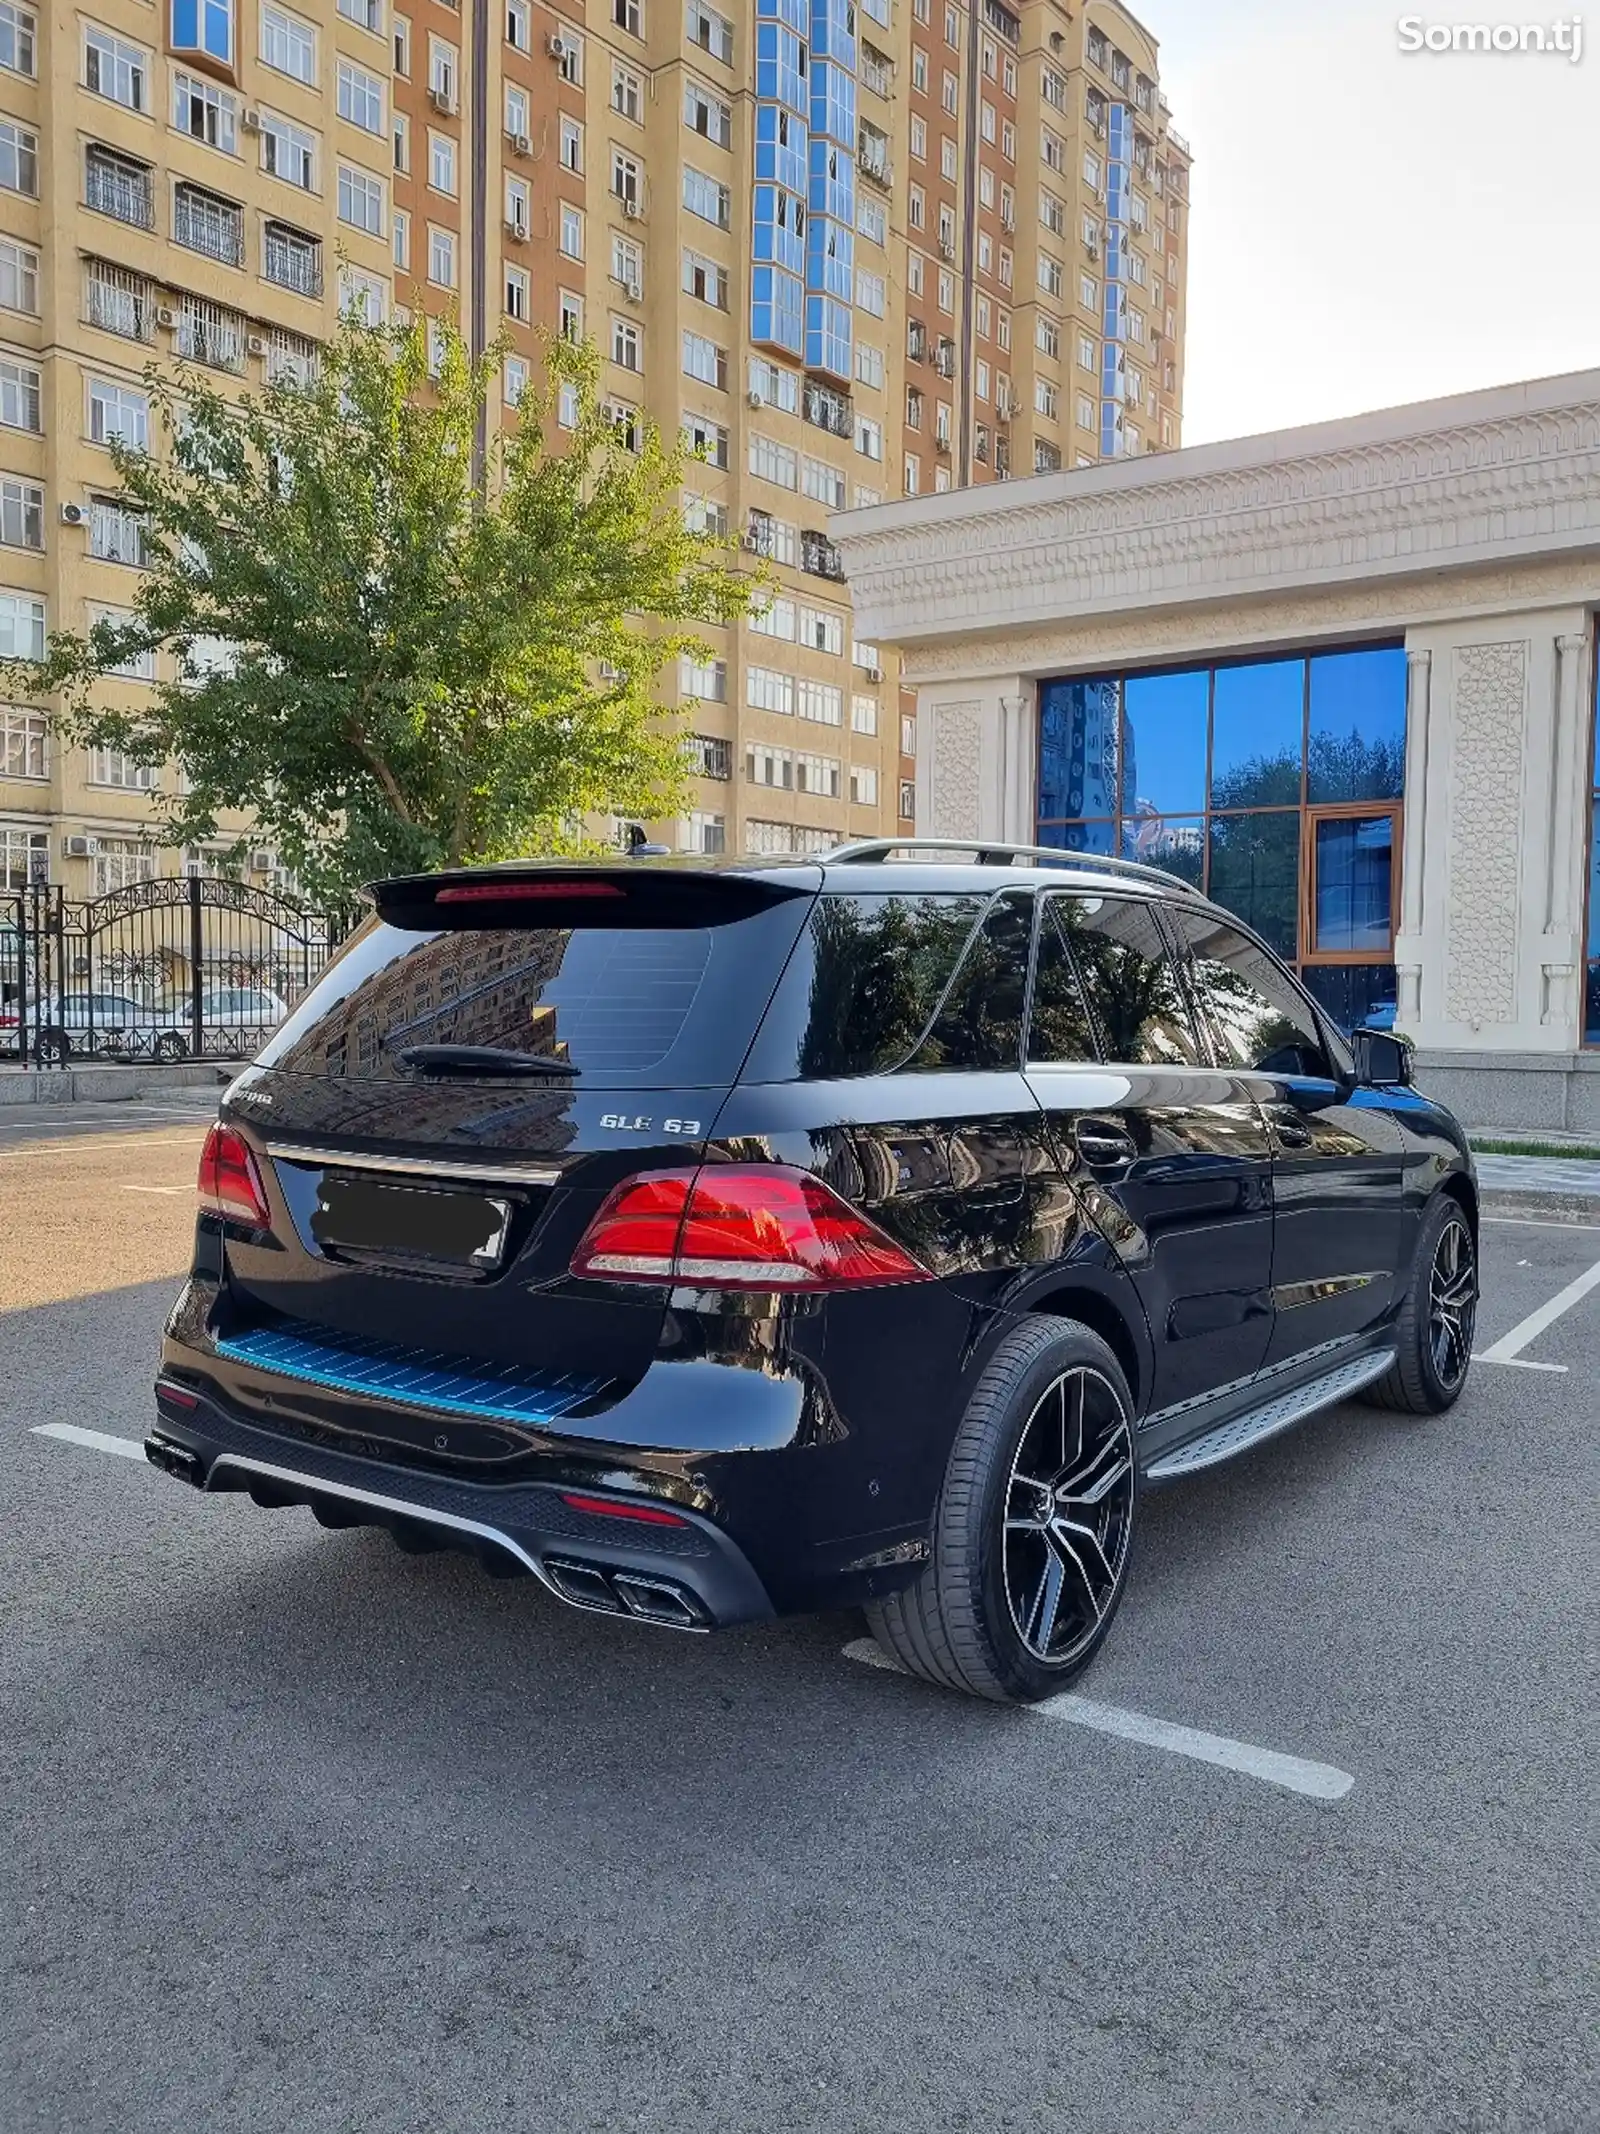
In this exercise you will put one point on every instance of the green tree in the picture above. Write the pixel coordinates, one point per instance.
(392, 664)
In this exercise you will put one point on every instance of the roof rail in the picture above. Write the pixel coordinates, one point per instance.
(1000, 852)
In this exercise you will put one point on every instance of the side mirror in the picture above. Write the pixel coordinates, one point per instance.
(1383, 1060)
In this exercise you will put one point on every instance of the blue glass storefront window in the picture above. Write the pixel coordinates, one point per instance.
(1164, 743)
(1258, 735)
(1357, 749)
(1079, 747)
(1254, 869)
(1206, 772)
(1354, 863)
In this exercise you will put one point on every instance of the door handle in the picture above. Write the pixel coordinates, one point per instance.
(1291, 1132)
(1103, 1142)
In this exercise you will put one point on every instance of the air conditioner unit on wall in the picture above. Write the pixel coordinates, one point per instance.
(521, 145)
(443, 100)
(165, 315)
(631, 208)
(255, 344)
(263, 862)
(79, 848)
(556, 46)
(74, 515)
(251, 119)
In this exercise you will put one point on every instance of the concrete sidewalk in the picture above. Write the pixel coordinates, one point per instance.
(110, 1085)
(1554, 1187)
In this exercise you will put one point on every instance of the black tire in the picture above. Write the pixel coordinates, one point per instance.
(170, 1046)
(1431, 1364)
(959, 1625)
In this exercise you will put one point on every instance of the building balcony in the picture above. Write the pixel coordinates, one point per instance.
(827, 409)
(820, 557)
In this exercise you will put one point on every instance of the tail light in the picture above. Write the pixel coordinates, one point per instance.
(229, 1181)
(738, 1226)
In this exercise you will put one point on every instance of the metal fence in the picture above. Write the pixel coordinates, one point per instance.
(183, 969)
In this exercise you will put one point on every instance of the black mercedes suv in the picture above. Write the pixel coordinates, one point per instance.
(713, 1242)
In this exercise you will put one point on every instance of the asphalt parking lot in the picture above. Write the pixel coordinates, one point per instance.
(307, 1834)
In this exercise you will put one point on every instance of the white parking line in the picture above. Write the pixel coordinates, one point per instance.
(157, 1189)
(1508, 1349)
(131, 1448)
(1322, 1782)
(55, 1148)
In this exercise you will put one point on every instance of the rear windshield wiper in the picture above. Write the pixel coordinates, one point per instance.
(480, 1059)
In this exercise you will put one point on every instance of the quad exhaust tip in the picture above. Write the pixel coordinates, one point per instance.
(174, 1459)
(652, 1600)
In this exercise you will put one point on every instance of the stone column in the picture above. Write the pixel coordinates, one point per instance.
(975, 757)
(1561, 951)
(1408, 935)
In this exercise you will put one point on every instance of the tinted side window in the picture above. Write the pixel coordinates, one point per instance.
(979, 1023)
(1256, 1012)
(1131, 981)
(863, 985)
(1061, 1031)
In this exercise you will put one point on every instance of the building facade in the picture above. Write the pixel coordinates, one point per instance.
(1341, 677)
(849, 249)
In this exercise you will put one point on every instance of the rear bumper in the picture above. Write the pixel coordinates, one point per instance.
(687, 1576)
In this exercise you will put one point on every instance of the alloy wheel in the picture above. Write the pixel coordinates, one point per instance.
(1452, 1303)
(1068, 1515)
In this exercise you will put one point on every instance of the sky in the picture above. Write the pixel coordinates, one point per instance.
(1371, 227)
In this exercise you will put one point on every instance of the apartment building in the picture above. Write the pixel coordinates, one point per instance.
(849, 249)
(176, 180)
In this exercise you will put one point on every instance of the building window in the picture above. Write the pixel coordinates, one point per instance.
(704, 360)
(569, 315)
(288, 152)
(289, 45)
(702, 278)
(360, 98)
(571, 145)
(209, 334)
(204, 26)
(712, 32)
(707, 115)
(205, 112)
(204, 223)
(571, 232)
(118, 413)
(442, 164)
(116, 535)
(19, 31)
(863, 785)
(365, 14)
(19, 395)
(625, 345)
(820, 702)
(908, 800)
(21, 627)
(1274, 784)
(627, 93)
(361, 201)
(23, 742)
(519, 30)
(109, 766)
(706, 833)
(114, 69)
(863, 714)
(707, 681)
(21, 513)
(442, 258)
(19, 277)
(19, 160)
(628, 15)
(291, 259)
(568, 406)
(517, 300)
(402, 240)
(706, 197)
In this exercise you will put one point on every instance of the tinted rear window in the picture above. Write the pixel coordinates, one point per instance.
(883, 983)
(656, 1006)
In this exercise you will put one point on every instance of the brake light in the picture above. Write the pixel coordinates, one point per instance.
(229, 1182)
(523, 892)
(738, 1226)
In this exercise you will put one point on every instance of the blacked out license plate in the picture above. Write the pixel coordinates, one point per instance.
(436, 1223)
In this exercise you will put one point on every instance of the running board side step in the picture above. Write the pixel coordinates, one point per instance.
(1281, 1412)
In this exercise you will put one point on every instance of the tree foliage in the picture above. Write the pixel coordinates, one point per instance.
(391, 664)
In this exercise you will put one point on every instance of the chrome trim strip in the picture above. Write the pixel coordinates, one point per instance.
(1243, 1432)
(1265, 1378)
(425, 1514)
(1289, 1296)
(510, 1173)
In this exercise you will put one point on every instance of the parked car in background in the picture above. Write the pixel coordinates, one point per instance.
(235, 1021)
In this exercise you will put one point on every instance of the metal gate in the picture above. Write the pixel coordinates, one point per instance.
(176, 969)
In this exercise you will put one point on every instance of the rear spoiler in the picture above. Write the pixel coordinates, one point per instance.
(578, 893)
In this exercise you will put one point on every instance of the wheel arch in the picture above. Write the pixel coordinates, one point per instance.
(1097, 1311)
(1459, 1187)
